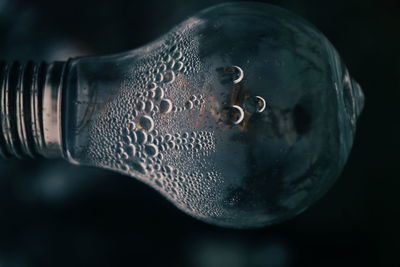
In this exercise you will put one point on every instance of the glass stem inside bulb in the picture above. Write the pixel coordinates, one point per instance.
(30, 109)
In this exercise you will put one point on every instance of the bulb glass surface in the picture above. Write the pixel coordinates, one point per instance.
(242, 116)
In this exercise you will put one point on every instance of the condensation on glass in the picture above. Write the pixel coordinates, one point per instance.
(242, 116)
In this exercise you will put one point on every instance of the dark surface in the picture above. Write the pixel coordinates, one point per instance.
(56, 214)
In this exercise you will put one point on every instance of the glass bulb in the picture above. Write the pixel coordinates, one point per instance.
(242, 116)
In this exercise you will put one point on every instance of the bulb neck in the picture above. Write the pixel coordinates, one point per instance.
(30, 109)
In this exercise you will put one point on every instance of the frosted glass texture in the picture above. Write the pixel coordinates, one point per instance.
(242, 116)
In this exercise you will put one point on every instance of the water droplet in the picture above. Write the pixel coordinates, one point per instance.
(173, 49)
(141, 105)
(150, 138)
(159, 77)
(158, 183)
(131, 150)
(167, 58)
(171, 64)
(177, 55)
(131, 126)
(236, 72)
(151, 150)
(152, 86)
(165, 106)
(189, 104)
(171, 144)
(159, 93)
(162, 68)
(147, 123)
(133, 136)
(178, 66)
(141, 137)
(149, 106)
(168, 137)
(169, 77)
(127, 139)
(255, 104)
(152, 93)
(232, 114)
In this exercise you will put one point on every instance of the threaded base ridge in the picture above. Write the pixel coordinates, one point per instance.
(28, 124)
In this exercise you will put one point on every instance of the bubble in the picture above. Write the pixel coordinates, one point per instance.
(152, 93)
(125, 155)
(171, 144)
(168, 137)
(141, 105)
(150, 138)
(133, 136)
(152, 86)
(169, 77)
(162, 68)
(158, 183)
(165, 106)
(151, 150)
(236, 73)
(171, 64)
(159, 77)
(169, 169)
(189, 104)
(159, 93)
(131, 126)
(167, 58)
(178, 66)
(147, 123)
(160, 138)
(131, 150)
(154, 132)
(177, 55)
(149, 106)
(141, 137)
(157, 167)
(173, 49)
(255, 104)
(232, 114)
(127, 139)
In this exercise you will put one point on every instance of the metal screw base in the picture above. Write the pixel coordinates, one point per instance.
(30, 109)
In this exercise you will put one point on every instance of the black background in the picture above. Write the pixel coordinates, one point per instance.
(56, 214)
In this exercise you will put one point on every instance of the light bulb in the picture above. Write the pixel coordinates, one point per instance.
(242, 116)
